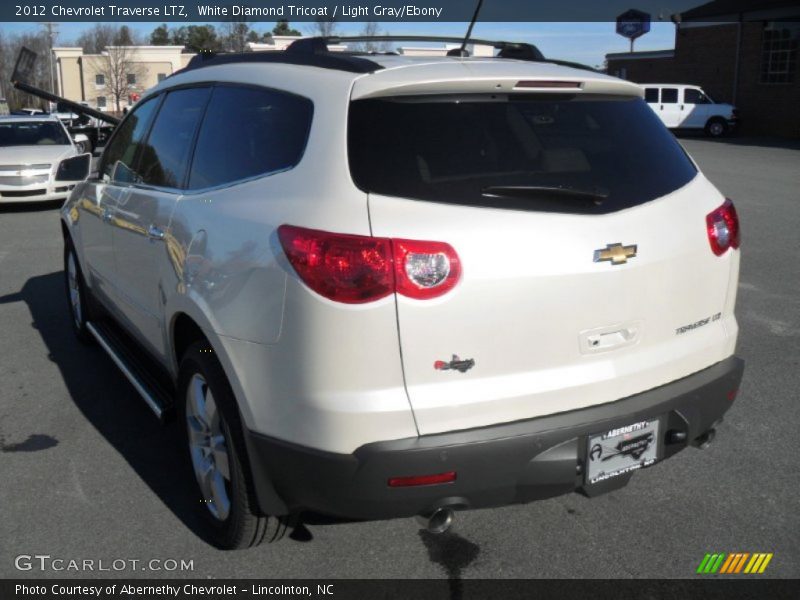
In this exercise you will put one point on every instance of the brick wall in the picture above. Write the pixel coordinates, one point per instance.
(706, 56)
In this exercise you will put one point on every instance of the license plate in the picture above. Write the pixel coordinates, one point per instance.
(621, 450)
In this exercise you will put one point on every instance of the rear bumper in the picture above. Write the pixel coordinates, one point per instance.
(496, 465)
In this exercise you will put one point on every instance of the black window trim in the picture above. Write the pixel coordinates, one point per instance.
(183, 190)
(193, 192)
(159, 98)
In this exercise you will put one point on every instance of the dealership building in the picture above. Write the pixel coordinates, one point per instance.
(739, 51)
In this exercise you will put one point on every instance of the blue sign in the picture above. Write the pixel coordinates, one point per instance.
(633, 24)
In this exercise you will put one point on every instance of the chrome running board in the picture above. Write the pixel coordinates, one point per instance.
(155, 397)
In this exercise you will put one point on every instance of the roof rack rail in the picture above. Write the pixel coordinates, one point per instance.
(323, 59)
(314, 52)
(518, 50)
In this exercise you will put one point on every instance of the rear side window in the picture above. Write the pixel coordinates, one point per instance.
(669, 96)
(566, 153)
(651, 95)
(165, 158)
(248, 132)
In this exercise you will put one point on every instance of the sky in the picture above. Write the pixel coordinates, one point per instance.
(585, 42)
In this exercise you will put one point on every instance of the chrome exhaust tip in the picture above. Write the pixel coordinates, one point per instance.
(704, 440)
(438, 521)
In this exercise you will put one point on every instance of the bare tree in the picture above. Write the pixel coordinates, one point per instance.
(372, 29)
(234, 36)
(121, 72)
(95, 39)
(323, 28)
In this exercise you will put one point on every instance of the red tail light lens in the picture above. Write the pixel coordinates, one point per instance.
(414, 480)
(723, 228)
(347, 268)
(356, 269)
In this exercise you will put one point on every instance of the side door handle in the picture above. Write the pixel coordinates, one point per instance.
(154, 233)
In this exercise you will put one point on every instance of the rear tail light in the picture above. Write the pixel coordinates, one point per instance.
(415, 480)
(723, 228)
(425, 270)
(355, 269)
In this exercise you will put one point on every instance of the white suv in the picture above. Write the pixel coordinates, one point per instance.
(381, 286)
(689, 107)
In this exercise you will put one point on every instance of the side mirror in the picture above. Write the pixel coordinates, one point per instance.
(75, 168)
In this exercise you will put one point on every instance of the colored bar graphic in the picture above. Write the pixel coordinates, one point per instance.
(734, 563)
(703, 563)
(726, 566)
(741, 562)
(765, 563)
(718, 564)
(753, 564)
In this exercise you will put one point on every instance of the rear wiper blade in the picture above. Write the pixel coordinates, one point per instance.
(596, 196)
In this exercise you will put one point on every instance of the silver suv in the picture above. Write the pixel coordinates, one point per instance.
(380, 286)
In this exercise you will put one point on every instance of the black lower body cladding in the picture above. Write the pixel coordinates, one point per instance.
(495, 465)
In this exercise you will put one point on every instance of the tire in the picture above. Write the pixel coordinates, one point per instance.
(213, 434)
(716, 128)
(78, 296)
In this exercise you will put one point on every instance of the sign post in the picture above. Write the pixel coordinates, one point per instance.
(633, 24)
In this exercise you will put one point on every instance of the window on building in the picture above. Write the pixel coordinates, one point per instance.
(161, 77)
(131, 78)
(100, 79)
(271, 133)
(779, 52)
(669, 95)
(651, 95)
(101, 102)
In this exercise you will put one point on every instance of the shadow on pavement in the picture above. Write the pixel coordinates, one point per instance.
(108, 402)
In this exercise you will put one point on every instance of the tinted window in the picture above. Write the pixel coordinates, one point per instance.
(248, 132)
(30, 133)
(669, 96)
(461, 150)
(651, 95)
(122, 149)
(691, 96)
(164, 159)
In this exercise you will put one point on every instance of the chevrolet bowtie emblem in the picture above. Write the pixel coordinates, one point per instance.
(616, 253)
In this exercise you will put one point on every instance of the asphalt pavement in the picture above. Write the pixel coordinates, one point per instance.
(87, 473)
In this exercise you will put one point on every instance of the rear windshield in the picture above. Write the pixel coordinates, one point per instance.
(566, 153)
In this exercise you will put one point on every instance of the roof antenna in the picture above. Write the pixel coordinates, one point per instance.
(463, 50)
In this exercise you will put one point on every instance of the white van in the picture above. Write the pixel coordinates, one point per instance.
(682, 106)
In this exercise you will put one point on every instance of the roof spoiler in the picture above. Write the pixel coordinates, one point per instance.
(22, 74)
